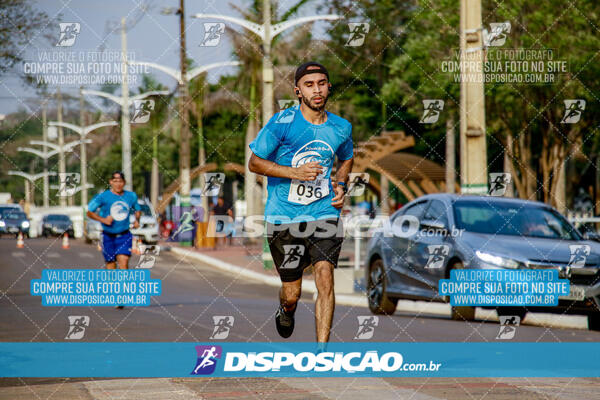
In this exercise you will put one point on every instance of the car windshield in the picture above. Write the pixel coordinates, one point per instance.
(508, 218)
(145, 210)
(58, 218)
(13, 214)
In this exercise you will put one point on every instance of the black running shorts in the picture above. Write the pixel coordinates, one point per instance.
(296, 246)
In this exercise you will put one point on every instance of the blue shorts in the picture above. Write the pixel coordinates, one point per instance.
(116, 243)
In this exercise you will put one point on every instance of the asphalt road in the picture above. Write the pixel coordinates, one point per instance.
(192, 294)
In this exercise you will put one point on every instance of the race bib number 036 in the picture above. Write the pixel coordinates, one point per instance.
(306, 192)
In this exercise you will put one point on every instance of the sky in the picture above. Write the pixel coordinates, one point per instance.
(154, 38)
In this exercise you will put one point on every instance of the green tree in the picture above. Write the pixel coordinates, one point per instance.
(21, 24)
(527, 116)
(358, 74)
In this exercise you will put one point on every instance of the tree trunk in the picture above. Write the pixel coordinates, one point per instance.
(250, 188)
(508, 151)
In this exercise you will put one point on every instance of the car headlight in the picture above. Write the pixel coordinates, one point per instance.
(2, 224)
(497, 260)
(25, 224)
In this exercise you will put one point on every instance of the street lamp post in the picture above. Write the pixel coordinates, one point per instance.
(184, 129)
(30, 178)
(125, 102)
(183, 80)
(46, 194)
(473, 152)
(61, 140)
(45, 155)
(267, 33)
(83, 131)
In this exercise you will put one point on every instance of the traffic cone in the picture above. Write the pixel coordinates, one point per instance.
(20, 242)
(65, 241)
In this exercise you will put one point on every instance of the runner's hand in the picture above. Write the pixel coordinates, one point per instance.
(308, 171)
(136, 224)
(338, 200)
(108, 220)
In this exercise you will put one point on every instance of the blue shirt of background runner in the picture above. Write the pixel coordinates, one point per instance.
(118, 206)
(290, 140)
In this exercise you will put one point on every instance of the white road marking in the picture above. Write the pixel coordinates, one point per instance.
(17, 254)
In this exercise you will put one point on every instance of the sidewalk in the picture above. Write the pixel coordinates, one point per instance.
(246, 261)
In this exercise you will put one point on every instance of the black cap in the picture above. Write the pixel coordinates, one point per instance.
(303, 70)
(120, 173)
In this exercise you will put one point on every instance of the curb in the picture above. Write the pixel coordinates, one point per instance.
(425, 307)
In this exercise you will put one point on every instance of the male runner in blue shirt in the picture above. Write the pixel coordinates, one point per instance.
(296, 150)
(115, 207)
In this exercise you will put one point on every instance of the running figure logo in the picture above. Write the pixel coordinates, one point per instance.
(437, 255)
(148, 257)
(68, 182)
(573, 110)
(498, 183)
(432, 110)
(207, 359)
(223, 324)
(212, 183)
(358, 33)
(212, 33)
(285, 104)
(357, 182)
(366, 326)
(293, 255)
(497, 35)
(141, 111)
(286, 112)
(186, 224)
(286, 115)
(579, 253)
(68, 33)
(508, 326)
(77, 325)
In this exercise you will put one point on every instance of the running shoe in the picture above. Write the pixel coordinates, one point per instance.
(284, 321)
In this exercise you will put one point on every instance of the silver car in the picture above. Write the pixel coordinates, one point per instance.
(478, 232)
(148, 230)
(93, 230)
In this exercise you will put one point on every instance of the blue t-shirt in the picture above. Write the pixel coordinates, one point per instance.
(290, 140)
(118, 206)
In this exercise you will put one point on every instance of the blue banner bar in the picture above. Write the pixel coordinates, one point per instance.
(235, 359)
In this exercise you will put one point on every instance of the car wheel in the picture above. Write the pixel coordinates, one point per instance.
(510, 311)
(594, 322)
(461, 313)
(379, 302)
